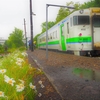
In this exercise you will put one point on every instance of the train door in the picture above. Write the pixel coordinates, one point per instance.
(96, 31)
(63, 42)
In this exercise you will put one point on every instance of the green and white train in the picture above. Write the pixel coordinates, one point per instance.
(79, 33)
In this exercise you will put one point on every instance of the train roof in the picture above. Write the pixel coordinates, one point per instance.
(87, 11)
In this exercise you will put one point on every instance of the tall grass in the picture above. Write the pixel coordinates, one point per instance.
(16, 77)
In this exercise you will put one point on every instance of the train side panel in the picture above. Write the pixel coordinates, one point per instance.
(78, 32)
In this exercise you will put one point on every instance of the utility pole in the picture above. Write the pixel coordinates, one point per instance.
(25, 32)
(31, 25)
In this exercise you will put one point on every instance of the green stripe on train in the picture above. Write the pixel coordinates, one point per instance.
(70, 40)
(79, 39)
(50, 43)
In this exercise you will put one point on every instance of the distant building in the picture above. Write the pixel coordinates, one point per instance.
(2, 41)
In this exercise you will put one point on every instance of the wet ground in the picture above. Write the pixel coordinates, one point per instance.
(73, 83)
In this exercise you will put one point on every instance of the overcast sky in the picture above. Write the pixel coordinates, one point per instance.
(13, 12)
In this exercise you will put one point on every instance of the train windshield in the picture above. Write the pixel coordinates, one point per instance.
(81, 20)
(96, 21)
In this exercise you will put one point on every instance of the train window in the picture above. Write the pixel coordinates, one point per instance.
(50, 36)
(81, 20)
(96, 21)
(53, 35)
(68, 27)
(75, 20)
(70, 21)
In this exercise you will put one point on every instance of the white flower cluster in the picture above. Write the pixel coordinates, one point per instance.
(24, 54)
(19, 85)
(32, 86)
(19, 61)
(42, 86)
(40, 82)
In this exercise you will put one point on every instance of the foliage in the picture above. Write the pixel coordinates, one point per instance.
(50, 24)
(64, 12)
(1, 49)
(16, 77)
(91, 3)
(22, 48)
(15, 39)
(97, 3)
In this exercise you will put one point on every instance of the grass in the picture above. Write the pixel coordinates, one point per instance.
(16, 77)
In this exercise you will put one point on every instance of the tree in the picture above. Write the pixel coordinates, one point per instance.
(1, 48)
(64, 12)
(91, 3)
(15, 39)
(50, 24)
(97, 3)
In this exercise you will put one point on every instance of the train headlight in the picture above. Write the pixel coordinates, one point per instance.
(81, 11)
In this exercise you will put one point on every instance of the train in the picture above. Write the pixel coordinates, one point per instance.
(78, 33)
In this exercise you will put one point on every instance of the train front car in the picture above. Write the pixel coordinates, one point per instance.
(84, 35)
(95, 20)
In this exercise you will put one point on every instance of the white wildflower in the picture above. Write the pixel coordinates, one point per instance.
(20, 87)
(24, 54)
(2, 71)
(40, 82)
(39, 94)
(20, 60)
(1, 94)
(10, 81)
(19, 64)
(32, 86)
(42, 86)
